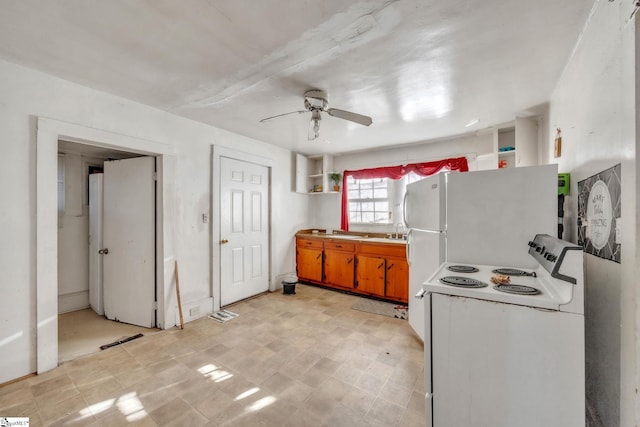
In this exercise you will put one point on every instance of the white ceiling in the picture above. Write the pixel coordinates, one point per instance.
(422, 69)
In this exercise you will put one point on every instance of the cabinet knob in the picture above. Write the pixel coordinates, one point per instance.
(224, 241)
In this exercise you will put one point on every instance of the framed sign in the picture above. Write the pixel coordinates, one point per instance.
(599, 209)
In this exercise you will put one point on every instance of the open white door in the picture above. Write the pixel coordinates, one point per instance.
(244, 233)
(95, 242)
(129, 241)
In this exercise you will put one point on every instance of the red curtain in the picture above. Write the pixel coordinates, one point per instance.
(397, 172)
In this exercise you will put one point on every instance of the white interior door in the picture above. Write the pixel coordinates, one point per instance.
(95, 242)
(244, 230)
(129, 238)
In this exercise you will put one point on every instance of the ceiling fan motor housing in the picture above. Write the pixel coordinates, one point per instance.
(315, 100)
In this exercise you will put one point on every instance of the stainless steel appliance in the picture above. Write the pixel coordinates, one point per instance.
(481, 217)
(511, 354)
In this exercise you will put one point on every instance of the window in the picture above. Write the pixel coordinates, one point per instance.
(374, 199)
(368, 201)
(413, 177)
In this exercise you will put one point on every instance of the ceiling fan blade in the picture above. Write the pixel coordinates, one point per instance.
(352, 117)
(283, 114)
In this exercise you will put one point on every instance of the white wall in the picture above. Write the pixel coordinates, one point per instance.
(594, 105)
(325, 208)
(26, 95)
(73, 236)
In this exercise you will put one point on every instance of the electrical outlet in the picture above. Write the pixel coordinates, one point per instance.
(193, 311)
(205, 218)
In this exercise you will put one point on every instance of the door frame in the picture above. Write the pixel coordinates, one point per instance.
(218, 152)
(49, 132)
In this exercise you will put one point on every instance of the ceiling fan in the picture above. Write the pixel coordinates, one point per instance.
(315, 101)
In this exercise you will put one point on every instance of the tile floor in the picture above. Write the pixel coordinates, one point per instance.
(83, 332)
(303, 360)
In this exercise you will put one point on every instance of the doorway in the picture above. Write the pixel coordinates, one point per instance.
(49, 132)
(82, 324)
(221, 269)
(244, 230)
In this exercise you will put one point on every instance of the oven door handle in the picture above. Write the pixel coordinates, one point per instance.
(420, 294)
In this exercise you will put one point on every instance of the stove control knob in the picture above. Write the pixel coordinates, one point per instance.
(550, 257)
(540, 249)
(532, 243)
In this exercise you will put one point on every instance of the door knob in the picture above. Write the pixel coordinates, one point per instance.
(104, 251)
(223, 241)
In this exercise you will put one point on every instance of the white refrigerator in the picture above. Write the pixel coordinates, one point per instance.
(481, 217)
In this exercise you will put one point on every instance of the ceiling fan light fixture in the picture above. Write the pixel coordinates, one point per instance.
(315, 102)
(314, 125)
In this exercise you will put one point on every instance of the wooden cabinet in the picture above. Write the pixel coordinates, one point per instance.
(339, 264)
(370, 275)
(382, 271)
(375, 269)
(309, 259)
(397, 280)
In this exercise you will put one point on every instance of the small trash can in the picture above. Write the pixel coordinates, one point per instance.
(289, 285)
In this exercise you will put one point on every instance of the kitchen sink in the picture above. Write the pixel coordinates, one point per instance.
(343, 236)
(384, 240)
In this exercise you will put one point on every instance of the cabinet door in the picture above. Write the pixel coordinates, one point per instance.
(397, 279)
(309, 264)
(339, 268)
(370, 274)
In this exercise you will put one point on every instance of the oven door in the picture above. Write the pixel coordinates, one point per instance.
(503, 365)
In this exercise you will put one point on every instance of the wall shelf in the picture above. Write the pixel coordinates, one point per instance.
(313, 172)
(522, 134)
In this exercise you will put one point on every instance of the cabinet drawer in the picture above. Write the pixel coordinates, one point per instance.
(388, 250)
(339, 246)
(310, 243)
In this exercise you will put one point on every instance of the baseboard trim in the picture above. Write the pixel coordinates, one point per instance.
(73, 301)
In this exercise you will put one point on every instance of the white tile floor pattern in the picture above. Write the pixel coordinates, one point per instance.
(287, 360)
(82, 332)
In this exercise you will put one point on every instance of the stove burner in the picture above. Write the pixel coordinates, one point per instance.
(462, 269)
(514, 272)
(517, 289)
(462, 282)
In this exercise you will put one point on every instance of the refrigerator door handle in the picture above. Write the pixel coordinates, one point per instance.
(407, 248)
(404, 210)
(428, 406)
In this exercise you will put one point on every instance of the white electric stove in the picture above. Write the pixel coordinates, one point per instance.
(507, 354)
